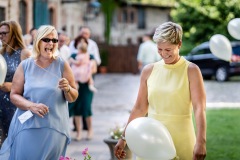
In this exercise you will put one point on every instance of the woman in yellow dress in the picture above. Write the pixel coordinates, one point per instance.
(169, 90)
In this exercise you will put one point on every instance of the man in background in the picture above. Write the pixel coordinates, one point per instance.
(92, 45)
(147, 52)
(64, 51)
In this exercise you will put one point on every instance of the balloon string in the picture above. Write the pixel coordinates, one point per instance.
(9, 46)
(55, 75)
(35, 63)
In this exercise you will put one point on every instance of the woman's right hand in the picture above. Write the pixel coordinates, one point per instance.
(119, 149)
(40, 109)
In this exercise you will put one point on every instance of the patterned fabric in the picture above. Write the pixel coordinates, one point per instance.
(7, 109)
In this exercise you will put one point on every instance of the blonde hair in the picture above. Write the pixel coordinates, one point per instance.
(43, 31)
(15, 39)
(168, 32)
(82, 45)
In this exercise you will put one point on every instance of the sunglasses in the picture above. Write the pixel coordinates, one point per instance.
(3, 33)
(47, 40)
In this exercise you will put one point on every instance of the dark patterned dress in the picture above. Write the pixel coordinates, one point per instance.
(7, 109)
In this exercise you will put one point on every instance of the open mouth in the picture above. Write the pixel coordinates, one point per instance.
(166, 57)
(49, 50)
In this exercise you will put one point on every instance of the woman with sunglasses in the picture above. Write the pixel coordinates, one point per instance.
(42, 85)
(13, 50)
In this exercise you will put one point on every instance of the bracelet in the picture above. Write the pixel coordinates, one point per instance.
(123, 138)
(69, 88)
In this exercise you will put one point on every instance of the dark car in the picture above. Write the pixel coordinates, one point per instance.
(212, 66)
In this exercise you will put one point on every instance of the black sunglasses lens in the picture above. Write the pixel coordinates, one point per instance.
(54, 40)
(3, 33)
(47, 40)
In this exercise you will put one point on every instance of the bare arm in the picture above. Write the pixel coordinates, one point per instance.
(6, 86)
(25, 54)
(140, 108)
(67, 84)
(93, 66)
(198, 97)
(17, 98)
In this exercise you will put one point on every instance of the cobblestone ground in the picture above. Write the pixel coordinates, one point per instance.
(115, 98)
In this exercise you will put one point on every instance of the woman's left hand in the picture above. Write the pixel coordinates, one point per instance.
(63, 84)
(199, 152)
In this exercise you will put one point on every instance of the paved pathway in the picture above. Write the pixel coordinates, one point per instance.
(116, 97)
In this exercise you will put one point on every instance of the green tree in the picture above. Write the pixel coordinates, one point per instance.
(201, 19)
(108, 7)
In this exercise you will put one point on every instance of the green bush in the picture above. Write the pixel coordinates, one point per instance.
(104, 57)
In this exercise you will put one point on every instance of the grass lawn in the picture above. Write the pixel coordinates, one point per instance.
(223, 134)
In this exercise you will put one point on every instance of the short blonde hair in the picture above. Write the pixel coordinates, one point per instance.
(43, 31)
(168, 32)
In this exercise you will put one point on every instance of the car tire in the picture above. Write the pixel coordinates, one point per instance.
(221, 74)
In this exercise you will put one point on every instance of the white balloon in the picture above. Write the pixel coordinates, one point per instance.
(234, 28)
(3, 69)
(149, 138)
(221, 47)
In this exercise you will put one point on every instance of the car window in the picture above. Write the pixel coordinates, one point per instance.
(236, 50)
(201, 51)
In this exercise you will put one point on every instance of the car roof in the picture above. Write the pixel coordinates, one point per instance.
(206, 45)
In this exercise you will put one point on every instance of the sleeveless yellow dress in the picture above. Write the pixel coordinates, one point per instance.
(170, 103)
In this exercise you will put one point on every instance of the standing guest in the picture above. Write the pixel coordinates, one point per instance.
(82, 107)
(13, 50)
(92, 45)
(63, 50)
(147, 52)
(92, 50)
(27, 40)
(32, 33)
(82, 66)
(42, 85)
(169, 90)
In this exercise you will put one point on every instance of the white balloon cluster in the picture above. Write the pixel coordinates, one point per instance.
(220, 46)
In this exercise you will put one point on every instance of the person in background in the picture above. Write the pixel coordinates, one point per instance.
(82, 66)
(42, 85)
(92, 45)
(82, 107)
(93, 50)
(147, 52)
(32, 32)
(169, 90)
(14, 51)
(63, 50)
(27, 40)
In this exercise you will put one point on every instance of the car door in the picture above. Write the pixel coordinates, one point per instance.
(204, 59)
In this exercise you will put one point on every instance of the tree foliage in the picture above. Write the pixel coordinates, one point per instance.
(201, 19)
(108, 7)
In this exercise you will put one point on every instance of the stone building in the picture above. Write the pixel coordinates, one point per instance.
(131, 18)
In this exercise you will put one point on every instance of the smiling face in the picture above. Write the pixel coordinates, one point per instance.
(47, 48)
(169, 52)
